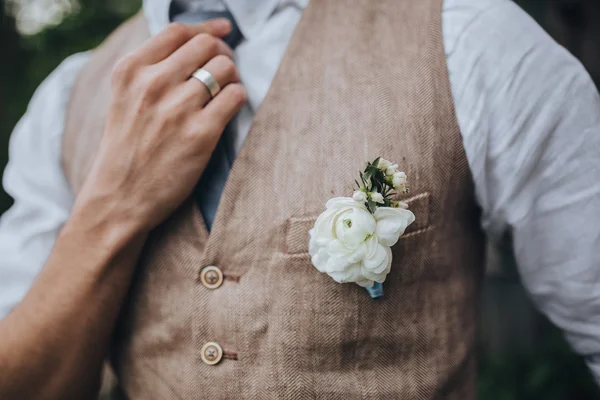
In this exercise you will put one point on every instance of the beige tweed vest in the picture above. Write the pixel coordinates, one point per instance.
(360, 79)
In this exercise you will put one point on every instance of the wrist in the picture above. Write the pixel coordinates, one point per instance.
(105, 221)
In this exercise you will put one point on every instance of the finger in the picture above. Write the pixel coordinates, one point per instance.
(222, 69)
(176, 35)
(193, 55)
(224, 106)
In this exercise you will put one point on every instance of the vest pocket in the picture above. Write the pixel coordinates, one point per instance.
(419, 205)
(297, 229)
(297, 236)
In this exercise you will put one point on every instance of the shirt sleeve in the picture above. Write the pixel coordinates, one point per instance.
(530, 119)
(34, 178)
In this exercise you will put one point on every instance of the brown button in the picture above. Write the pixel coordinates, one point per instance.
(211, 353)
(211, 277)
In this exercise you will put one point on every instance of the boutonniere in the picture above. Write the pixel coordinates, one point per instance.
(351, 240)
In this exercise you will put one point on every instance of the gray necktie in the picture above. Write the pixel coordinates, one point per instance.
(212, 182)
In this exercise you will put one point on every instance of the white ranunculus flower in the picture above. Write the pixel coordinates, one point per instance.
(352, 245)
(359, 196)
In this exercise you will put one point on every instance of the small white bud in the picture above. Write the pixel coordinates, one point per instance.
(377, 197)
(399, 204)
(391, 170)
(399, 179)
(359, 196)
(384, 164)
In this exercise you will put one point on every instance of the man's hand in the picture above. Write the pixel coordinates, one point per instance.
(161, 128)
(160, 133)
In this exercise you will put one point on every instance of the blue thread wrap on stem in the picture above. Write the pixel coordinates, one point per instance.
(375, 291)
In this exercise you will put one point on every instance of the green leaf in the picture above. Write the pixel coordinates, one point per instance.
(376, 162)
(371, 205)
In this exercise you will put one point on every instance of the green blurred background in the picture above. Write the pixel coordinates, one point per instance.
(521, 355)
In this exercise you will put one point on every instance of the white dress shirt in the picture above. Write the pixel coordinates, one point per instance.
(529, 116)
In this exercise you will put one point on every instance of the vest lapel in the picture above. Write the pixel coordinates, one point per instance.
(265, 136)
(326, 113)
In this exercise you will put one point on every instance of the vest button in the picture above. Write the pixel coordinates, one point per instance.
(211, 277)
(211, 353)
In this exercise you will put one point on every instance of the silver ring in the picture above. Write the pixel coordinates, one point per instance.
(208, 80)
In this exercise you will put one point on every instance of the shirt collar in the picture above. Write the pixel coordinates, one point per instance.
(250, 16)
(157, 14)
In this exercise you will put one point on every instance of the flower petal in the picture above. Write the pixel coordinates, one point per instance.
(323, 229)
(319, 254)
(353, 226)
(338, 249)
(350, 274)
(379, 259)
(391, 223)
(335, 264)
(365, 283)
(359, 253)
(340, 202)
(379, 274)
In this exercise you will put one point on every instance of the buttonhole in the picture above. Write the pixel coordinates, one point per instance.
(231, 277)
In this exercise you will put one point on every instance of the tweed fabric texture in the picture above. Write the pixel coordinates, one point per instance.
(360, 79)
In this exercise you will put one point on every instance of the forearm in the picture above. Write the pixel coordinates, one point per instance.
(53, 344)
